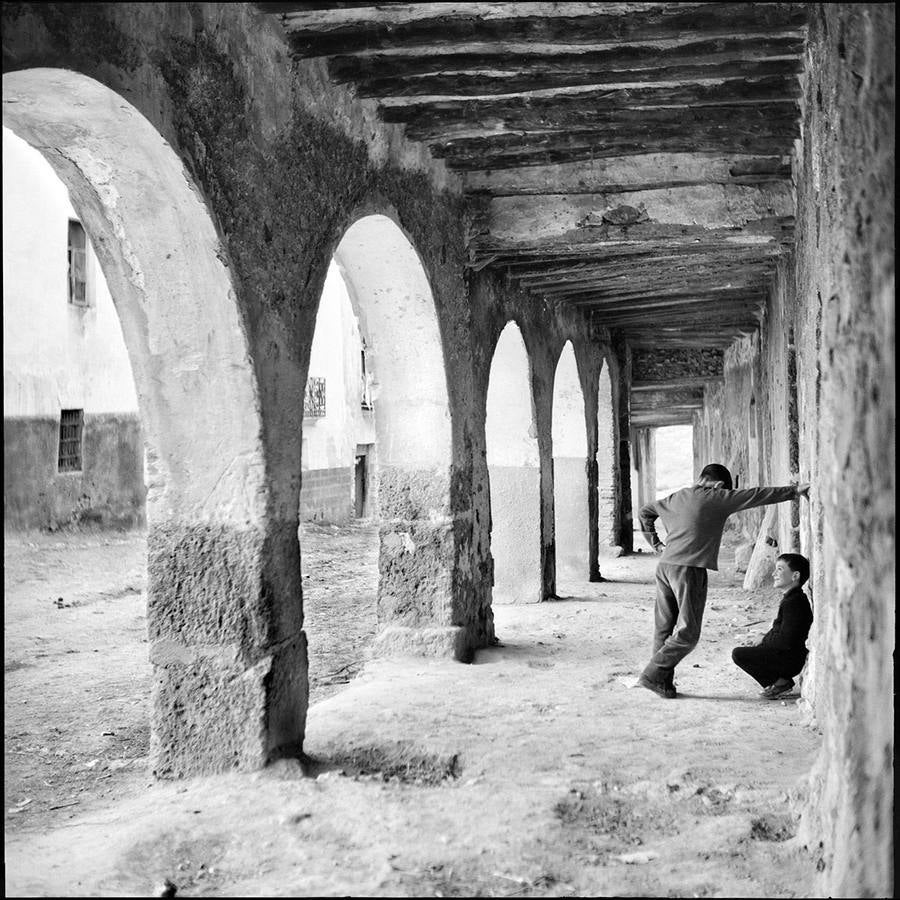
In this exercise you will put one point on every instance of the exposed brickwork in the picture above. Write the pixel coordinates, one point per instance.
(663, 365)
(325, 495)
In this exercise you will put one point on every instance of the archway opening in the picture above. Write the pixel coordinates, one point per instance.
(514, 473)
(570, 481)
(197, 397)
(376, 455)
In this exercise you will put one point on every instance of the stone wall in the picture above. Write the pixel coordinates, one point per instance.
(822, 378)
(845, 360)
(108, 491)
(325, 495)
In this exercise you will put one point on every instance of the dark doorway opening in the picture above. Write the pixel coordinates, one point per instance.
(361, 479)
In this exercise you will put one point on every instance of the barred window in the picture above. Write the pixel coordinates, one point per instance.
(314, 398)
(71, 426)
(77, 263)
(365, 382)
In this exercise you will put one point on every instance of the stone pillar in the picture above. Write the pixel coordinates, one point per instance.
(607, 461)
(392, 299)
(644, 445)
(228, 654)
(622, 402)
(223, 585)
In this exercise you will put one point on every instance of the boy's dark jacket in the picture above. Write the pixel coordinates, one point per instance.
(791, 625)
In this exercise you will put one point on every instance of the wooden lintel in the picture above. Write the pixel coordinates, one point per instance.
(629, 173)
(537, 151)
(504, 69)
(320, 33)
(737, 91)
(772, 119)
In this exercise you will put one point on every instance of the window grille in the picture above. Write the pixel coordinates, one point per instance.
(77, 263)
(365, 382)
(314, 398)
(71, 426)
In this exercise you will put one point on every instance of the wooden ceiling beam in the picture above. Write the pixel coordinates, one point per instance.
(343, 31)
(540, 78)
(630, 173)
(773, 119)
(538, 277)
(726, 218)
(375, 75)
(453, 111)
(554, 148)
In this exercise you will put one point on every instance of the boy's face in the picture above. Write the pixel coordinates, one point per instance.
(784, 577)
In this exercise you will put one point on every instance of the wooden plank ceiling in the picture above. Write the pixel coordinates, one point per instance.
(632, 159)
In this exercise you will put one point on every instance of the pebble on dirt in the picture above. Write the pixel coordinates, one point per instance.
(166, 888)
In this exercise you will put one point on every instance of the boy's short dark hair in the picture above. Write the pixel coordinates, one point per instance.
(715, 472)
(797, 563)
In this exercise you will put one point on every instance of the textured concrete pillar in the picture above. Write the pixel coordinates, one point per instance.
(622, 403)
(223, 587)
(644, 450)
(607, 461)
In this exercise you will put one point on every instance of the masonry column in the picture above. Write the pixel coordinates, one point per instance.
(624, 523)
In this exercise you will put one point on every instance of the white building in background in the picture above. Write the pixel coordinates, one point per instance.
(339, 418)
(73, 449)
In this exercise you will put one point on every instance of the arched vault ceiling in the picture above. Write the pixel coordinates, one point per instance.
(632, 159)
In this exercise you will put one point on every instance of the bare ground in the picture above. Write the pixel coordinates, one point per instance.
(536, 771)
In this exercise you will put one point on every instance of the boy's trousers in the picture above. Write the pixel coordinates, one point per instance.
(680, 601)
(768, 664)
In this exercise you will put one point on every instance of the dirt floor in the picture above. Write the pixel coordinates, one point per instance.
(539, 770)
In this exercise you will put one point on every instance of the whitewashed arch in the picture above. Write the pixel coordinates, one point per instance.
(514, 472)
(164, 265)
(392, 299)
(570, 484)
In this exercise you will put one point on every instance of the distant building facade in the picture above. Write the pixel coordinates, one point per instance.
(338, 454)
(73, 450)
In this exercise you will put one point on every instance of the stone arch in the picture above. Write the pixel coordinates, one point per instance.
(513, 472)
(570, 482)
(392, 299)
(607, 465)
(210, 607)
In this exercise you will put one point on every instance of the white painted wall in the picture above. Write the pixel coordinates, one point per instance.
(330, 442)
(392, 297)
(55, 355)
(510, 432)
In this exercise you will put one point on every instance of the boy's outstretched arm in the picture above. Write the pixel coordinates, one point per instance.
(747, 498)
(648, 516)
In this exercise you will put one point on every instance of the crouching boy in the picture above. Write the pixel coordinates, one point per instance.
(782, 652)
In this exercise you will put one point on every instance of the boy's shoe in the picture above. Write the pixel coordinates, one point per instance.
(658, 687)
(776, 690)
(670, 686)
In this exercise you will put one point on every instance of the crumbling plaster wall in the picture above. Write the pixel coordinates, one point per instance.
(835, 297)
(845, 336)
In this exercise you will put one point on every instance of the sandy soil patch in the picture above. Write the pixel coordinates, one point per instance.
(535, 771)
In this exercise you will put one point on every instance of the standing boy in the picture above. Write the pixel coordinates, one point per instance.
(782, 652)
(695, 519)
